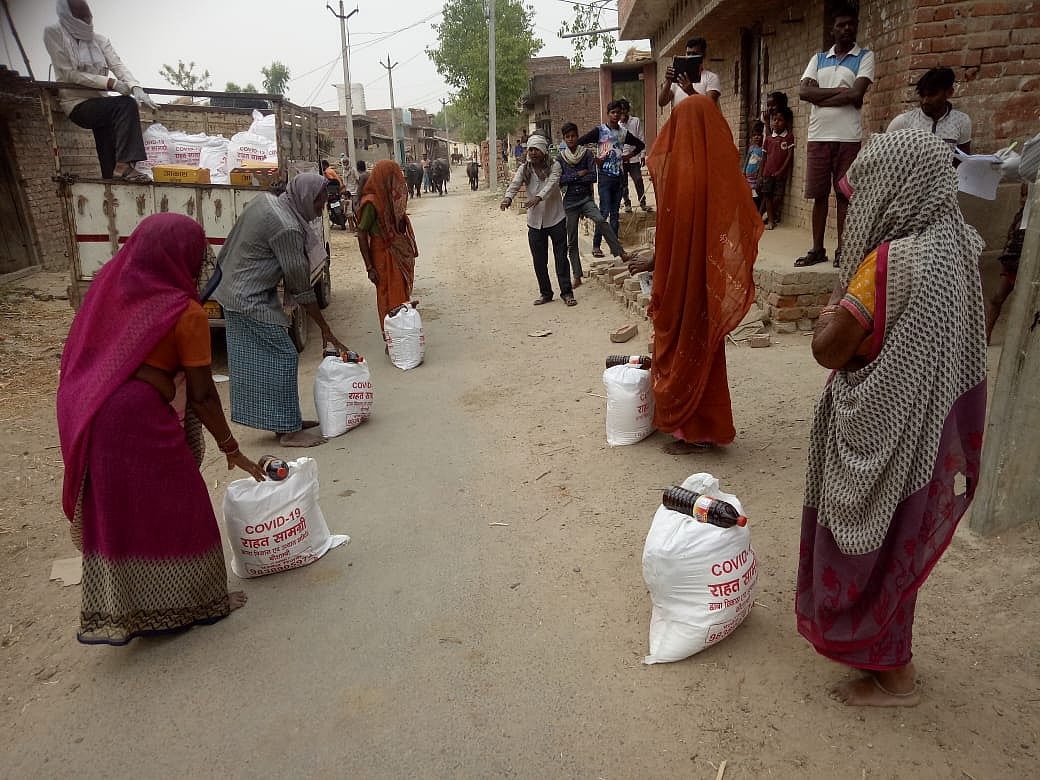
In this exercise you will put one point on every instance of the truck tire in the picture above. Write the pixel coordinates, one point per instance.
(298, 328)
(323, 287)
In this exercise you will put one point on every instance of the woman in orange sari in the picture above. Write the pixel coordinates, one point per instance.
(385, 236)
(707, 241)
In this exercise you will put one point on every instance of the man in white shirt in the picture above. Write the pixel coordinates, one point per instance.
(546, 218)
(936, 113)
(85, 59)
(677, 86)
(835, 82)
(634, 167)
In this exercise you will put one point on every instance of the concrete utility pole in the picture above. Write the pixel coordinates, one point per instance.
(444, 109)
(348, 97)
(1009, 491)
(393, 111)
(492, 103)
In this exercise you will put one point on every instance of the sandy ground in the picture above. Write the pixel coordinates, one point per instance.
(489, 617)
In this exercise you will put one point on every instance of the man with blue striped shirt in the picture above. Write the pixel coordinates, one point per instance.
(835, 82)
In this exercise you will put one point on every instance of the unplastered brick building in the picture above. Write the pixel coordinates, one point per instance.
(758, 46)
(557, 95)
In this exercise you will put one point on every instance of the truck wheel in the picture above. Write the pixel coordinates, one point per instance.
(323, 287)
(298, 328)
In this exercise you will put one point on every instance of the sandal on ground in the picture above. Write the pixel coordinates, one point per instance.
(543, 299)
(597, 252)
(837, 258)
(569, 300)
(812, 257)
(134, 176)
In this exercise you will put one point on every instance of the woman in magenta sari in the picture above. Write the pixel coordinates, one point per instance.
(140, 509)
(897, 436)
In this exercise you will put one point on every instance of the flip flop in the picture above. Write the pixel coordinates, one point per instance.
(597, 252)
(134, 176)
(543, 299)
(569, 300)
(812, 257)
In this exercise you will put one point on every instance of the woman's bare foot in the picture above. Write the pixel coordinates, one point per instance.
(890, 688)
(301, 438)
(237, 599)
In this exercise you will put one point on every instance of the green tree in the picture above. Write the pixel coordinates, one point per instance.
(233, 87)
(185, 77)
(588, 17)
(461, 57)
(276, 78)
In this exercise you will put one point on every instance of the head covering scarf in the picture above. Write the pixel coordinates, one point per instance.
(538, 142)
(298, 199)
(133, 301)
(707, 241)
(876, 433)
(79, 40)
(387, 191)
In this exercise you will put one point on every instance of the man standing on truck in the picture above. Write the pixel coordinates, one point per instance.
(82, 57)
(272, 241)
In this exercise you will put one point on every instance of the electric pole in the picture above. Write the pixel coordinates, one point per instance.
(398, 155)
(348, 97)
(492, 119)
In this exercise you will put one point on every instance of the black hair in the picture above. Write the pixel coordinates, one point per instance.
(779, 99)
(787, 114)
(324, 164)
(624, 104)
(568, 127)
(844, 9)
(935, 80)
(614, 104)
(697, 43)
(758, 128)
(361, 166)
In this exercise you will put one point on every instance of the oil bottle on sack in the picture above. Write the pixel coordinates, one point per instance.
(703, 509)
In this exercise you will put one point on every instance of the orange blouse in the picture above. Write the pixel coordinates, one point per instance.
(186, 345)
(859, 299)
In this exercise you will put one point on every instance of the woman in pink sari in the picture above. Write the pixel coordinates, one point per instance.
(140, 509)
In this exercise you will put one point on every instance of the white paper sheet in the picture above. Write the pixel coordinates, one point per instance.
(976, 175)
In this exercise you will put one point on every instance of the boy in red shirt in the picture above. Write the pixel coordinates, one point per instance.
(779, 149)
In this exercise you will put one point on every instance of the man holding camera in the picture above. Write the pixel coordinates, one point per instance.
(678, 85)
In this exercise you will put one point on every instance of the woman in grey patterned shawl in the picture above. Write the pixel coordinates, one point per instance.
(897, 435)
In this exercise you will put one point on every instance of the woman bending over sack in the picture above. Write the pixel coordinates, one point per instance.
(140, 510)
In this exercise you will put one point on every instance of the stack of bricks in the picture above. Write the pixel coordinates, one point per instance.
(32, 158)
(793, 299)
(623, 287)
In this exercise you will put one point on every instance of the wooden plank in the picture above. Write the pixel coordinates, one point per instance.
(1009, 490)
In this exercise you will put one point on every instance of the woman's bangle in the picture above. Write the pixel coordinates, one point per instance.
(230, 436)
(228, 447)
(231, 452)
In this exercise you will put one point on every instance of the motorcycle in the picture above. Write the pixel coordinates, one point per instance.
(337, 214)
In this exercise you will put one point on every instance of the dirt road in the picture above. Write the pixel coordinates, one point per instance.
(488, 618)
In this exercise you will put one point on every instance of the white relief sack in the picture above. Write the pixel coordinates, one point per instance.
(275, 526)
(342, 395)
(185, 148)
(630, 404)
(405, 340)
(250, 148)
(214, 156)
(263, 125)
(701, 578)
(156, 146)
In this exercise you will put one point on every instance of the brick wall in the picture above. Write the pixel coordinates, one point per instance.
(33, 158)
(993, 47)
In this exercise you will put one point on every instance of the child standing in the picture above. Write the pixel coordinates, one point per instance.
(611, 139)
(779, 148)
(753, 162)
(578, 167)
